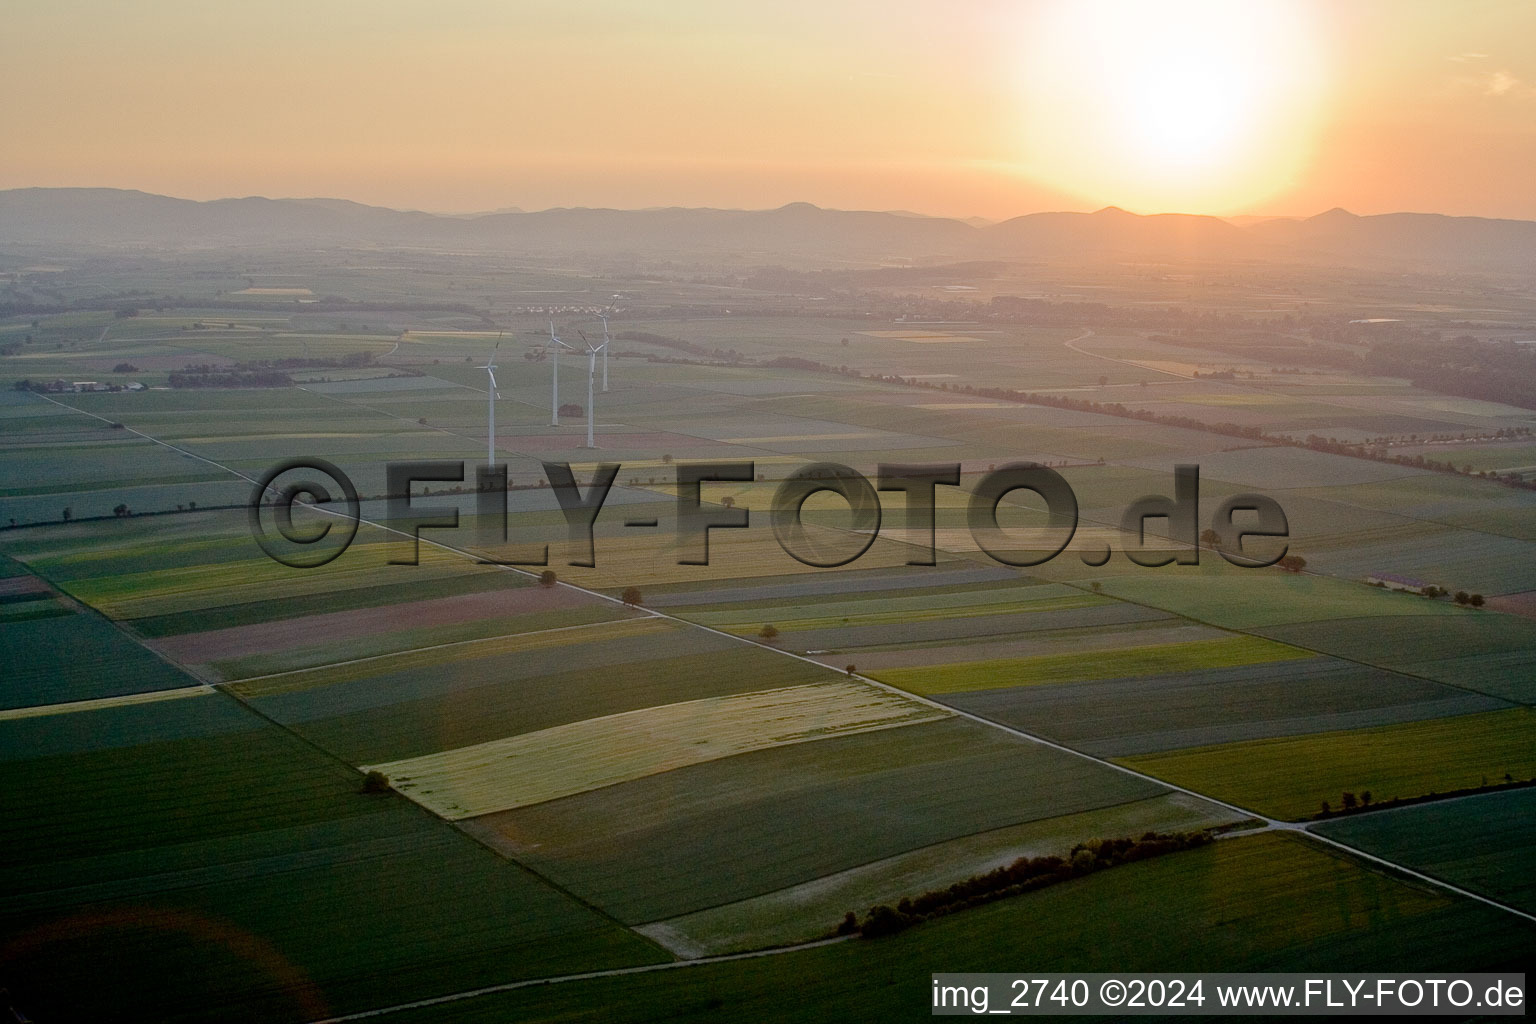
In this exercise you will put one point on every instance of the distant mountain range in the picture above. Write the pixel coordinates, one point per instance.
(118, 218)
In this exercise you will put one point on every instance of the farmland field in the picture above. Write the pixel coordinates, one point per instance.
(1053, 668)
(849, 800)
(1484, 842)
(1290, 777)
(1232, 905)
(564, 760)
(244, 790)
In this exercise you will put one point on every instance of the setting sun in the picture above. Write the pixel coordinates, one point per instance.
(1198, 106)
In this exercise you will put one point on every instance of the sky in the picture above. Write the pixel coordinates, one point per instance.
(969, 108)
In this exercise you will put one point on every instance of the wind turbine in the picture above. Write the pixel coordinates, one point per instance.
(592, 351)
(554, 394)
(604, 318)
(490, 407)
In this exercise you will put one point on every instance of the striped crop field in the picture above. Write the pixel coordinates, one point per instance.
(531, 768)
(1291, 776)
(892, 611)
(1086, 665)
(435, 657)
(186, 588)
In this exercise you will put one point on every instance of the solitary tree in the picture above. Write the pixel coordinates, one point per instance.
(547, 578)
(768, 632)
(631, 596)
(69, 513)
(1365, 798)
(121, 511)
(850, 669)
(375, 782)
(728, 501)
(1210, 538)
(1292, 563)
(1348, 800)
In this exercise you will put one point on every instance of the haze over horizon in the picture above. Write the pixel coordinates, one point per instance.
(1238, 219)
(993, 110)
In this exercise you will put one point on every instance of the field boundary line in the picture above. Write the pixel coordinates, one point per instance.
(612, 972)
(97, 703)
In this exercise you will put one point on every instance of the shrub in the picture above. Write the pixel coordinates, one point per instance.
(547, 578)
(376, 782)
(768, 632)
(630, 596)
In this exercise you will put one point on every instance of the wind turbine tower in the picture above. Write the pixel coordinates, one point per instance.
(554, 393)
(490, 408)
(592, 351)
(604, 318)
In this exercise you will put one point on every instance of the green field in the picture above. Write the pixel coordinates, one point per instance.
(1483, 842)
(249, 877)
(1089, 665)
(803, 912)
(1253, 598)
(75, 655)
(758, 822)
(393, 715)
(1201, 707)
(1229, 906)
(1291, 777)
(375, 645)
(1482, 644)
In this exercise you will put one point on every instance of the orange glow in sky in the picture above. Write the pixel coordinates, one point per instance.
(1179, 105)
(985, 108)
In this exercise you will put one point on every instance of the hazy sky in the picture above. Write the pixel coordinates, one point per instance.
(965, 107)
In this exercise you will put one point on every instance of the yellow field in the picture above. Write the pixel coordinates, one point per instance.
(568, 759)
